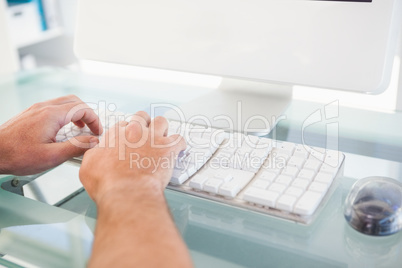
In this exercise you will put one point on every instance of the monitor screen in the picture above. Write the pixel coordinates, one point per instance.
(348, 45)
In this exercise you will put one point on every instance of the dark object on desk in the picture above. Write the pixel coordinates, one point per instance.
(374, 206)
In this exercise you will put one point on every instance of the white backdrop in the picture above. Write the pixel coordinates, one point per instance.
(8, 55)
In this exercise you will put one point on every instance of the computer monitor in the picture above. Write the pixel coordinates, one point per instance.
(260, 47)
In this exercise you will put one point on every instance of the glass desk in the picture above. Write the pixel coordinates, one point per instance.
(39, 235)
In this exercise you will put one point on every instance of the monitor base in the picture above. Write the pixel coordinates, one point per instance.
(238, 105)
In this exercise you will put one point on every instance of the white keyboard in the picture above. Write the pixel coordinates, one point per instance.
(284, 179)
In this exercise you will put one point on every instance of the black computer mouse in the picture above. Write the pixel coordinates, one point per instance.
(374, 206)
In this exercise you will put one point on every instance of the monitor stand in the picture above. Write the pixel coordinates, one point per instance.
(237, 105)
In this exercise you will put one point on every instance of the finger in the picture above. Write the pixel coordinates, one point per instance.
(81, 112)
(119, 124)
(177, 142)
(159, 126)
(141, 117)
(114, 130)
(116, 127)
(79, 124)
(77, 146)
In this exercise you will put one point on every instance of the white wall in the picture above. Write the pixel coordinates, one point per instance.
(68, 12)
(8, 55)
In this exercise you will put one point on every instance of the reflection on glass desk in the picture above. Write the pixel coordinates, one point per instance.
(38, 234)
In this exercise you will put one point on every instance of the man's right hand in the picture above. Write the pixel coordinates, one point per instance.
(134, 153)
(126, 175)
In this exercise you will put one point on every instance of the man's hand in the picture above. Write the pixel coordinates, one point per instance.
(28, 141)
(126, 175)
(138, 152)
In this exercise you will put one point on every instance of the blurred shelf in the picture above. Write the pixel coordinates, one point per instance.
(41, 37)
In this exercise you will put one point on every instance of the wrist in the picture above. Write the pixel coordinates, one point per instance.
(134, 191)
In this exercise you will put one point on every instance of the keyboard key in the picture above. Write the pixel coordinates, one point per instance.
(238, 160)
(228, 149)
(254, 160)
(285, 147)
(223, 175)
(279, 155)
(243, 176)
(277, 187)
(197, 182)
(328, 169)
(245, 149)
(221, 159)
(286, 202)
(308, 203)
(232, 181)
(61, 137)
(82, 131)
(182, 172)
(324, 178)
(212, 185)
(296, 161)
(223, 154)
(179, 176)
(196, 157)
(253, 165)
(251, 140)
(290, 171)
(75, 131)
(333, 158)
(267, 175)
(231, 188)
(283, 179)
(300, 151)
(215, 135)
(300, 183)
(218, 137)
(306, 174)
(199, 143)
(318, 187)
(272, 166)
(194, 131)
(265, 143)
(234, 140)
(312, 164)
(294, 191)
(261, 184)
(260, 153)
(261, 197)
(317, 153)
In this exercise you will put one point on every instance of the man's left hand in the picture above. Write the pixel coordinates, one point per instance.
(28, 141)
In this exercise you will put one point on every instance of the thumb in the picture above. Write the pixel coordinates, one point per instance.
(75, 146)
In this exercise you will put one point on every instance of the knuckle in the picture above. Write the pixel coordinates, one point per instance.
(142, 114)
(132, 127)
(160, 119)
(72, 96)
(46, 111)
(123, 123)
(37, 106)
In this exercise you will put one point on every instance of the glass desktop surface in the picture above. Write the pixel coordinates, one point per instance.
(36, 234)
